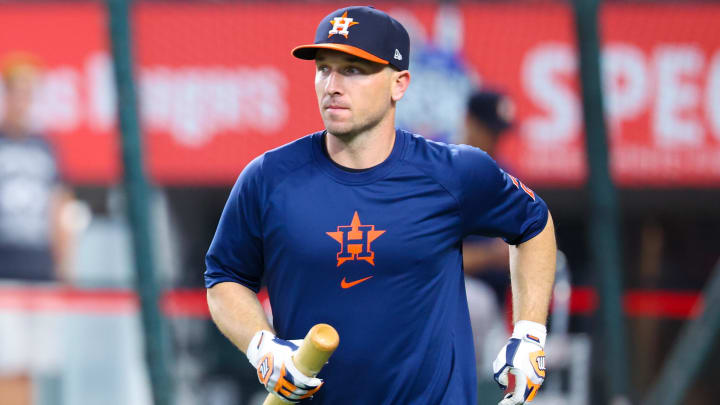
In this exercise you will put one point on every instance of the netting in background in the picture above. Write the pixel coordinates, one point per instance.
(56, 344)
(661, 91)
(662, 71)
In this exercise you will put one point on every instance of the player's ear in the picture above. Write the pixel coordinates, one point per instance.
(399, 85)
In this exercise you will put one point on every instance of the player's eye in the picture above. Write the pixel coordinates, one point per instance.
(352, 70)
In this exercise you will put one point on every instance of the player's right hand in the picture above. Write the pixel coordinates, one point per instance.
(272, 357)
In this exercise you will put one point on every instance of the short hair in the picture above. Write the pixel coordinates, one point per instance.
(491, 108)
(16, 64)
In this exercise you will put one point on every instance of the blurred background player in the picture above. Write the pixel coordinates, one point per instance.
(34, 242)
(485, 260)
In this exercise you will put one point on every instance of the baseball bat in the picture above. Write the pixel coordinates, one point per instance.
(315, 350)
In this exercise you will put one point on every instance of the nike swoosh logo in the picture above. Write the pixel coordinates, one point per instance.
(345, 284)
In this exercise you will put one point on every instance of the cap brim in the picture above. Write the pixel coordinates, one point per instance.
(307, 52)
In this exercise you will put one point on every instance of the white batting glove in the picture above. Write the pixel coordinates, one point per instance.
(272, 357)
(524, 357)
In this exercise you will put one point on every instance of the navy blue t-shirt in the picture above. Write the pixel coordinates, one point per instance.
(28, 179)
(377, 255)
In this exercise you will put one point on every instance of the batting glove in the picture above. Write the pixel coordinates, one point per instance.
(272, 357)
(524, 357)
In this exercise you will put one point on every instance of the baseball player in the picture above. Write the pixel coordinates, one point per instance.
(360, 226)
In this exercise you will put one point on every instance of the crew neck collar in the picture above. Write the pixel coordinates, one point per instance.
(365, 176)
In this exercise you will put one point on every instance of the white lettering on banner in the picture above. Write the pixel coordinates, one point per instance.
(626, 83)
(667, 86)
(667, 164)
(675, 119)
(102, 98)
(713, 95)
(546, 160)
(195, 104)
(192, 104)
(676, 85)
(57, 102)
(540, 71)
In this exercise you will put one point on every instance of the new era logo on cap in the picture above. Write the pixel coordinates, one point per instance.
(363, 32)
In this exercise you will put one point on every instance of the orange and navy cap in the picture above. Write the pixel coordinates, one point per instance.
(364, 32)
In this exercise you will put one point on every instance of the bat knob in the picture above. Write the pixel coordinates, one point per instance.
(324, 337)
(320, 342)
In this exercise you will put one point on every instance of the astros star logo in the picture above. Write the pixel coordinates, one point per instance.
(341, 25)
(355, 240)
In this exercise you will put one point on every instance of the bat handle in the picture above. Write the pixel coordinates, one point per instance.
(315, 350)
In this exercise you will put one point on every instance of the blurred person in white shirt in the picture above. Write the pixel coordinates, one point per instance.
(34, 237)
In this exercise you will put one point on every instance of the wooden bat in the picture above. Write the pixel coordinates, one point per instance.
(319, 344)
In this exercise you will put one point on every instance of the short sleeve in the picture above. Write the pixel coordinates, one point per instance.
(496, 204)
(236, 251)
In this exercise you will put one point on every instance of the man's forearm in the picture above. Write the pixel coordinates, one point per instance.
(237, 312)
(62, 236)
(532, 269)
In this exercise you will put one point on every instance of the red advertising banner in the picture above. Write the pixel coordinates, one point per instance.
(71, 102)
(217, 85)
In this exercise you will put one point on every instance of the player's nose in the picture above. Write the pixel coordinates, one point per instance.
(333, 83)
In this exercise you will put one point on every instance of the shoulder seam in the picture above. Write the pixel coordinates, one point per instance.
(455, 198)
(285, 177)
(266, 154)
